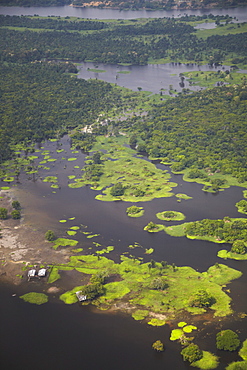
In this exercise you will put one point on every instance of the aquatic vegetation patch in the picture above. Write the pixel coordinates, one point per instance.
(35, 298)
(53, 275)
(4, 187)
(243, 351)
(71, 232)
(74, 227)
(140, 314)
(181, 324)
(92, 236)
(170, 216)
(141, 180)
(63, 242)
(9, 179)
(207, 362)
(176, 334)
(151, 227)
(189, 328)
(149, 251)
(71, 159)
(156, 322)
(105, 250)
(62, 221)
(52, 179)
(223, 253)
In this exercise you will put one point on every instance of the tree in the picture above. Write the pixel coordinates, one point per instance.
(96, 157)
(133, 140)
(238, 247)
(16, 204)
(192, 353)
(227, 340)
(117, 190)
(49, 235)
(3, 213)
(15, 214)
(158, 346)
(201, 299)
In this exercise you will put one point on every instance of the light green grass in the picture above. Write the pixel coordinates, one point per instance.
(223, 253)
(35, 298)
(63, 242)
(207, 362)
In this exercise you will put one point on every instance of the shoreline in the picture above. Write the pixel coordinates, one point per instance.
(21, 244)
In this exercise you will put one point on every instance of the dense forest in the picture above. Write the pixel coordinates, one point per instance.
(131, 4)
(51, 102)
(135, 43)
(203, 130)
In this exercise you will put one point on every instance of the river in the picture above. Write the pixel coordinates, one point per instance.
(69, 336)
(93, 13)
(57, 336)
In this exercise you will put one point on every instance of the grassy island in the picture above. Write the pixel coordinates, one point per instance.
(35, 298)
(170, 216)
(134, 211)
(152, 288)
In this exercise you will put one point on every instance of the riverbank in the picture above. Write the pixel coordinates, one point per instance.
(22, 245)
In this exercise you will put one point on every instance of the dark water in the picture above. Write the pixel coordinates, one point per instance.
(151, 77)
(57, 336)
(63, 11)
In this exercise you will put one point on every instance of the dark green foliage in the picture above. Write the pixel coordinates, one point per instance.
(201, 299)
(151, 225)
(16, 204)
(133, 140)
(158, 346)
(117, 190)
(158, 284)
(96, 157)
(56, 104)
(242, 205)
(227, 340)
(15, 214)
(191, 353)
(92, 290)
(3, 213)
(238, 247)
(239, 365)
(50, 235)
(228, 230)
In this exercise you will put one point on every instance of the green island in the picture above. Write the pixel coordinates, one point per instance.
(150, 288)
(134, 211)
(170, 216)
(35, 298)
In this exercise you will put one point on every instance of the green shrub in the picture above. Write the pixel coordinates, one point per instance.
(16, 204)
(201, 299)
(117, 190)
(3, 213)
(238, 247)
(16, 215)
(227, 340)
(192, 353)
(49, 235)
(158, 346)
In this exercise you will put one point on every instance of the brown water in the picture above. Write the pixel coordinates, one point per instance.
(56, 336)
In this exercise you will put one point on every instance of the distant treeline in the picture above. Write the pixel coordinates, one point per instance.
(133, 4)
(134, 44)
(50, 23)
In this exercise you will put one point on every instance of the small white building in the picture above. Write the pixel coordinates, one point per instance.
(81, 297)
(42, 272)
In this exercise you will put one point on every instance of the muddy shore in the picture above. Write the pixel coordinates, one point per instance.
(21, 245)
